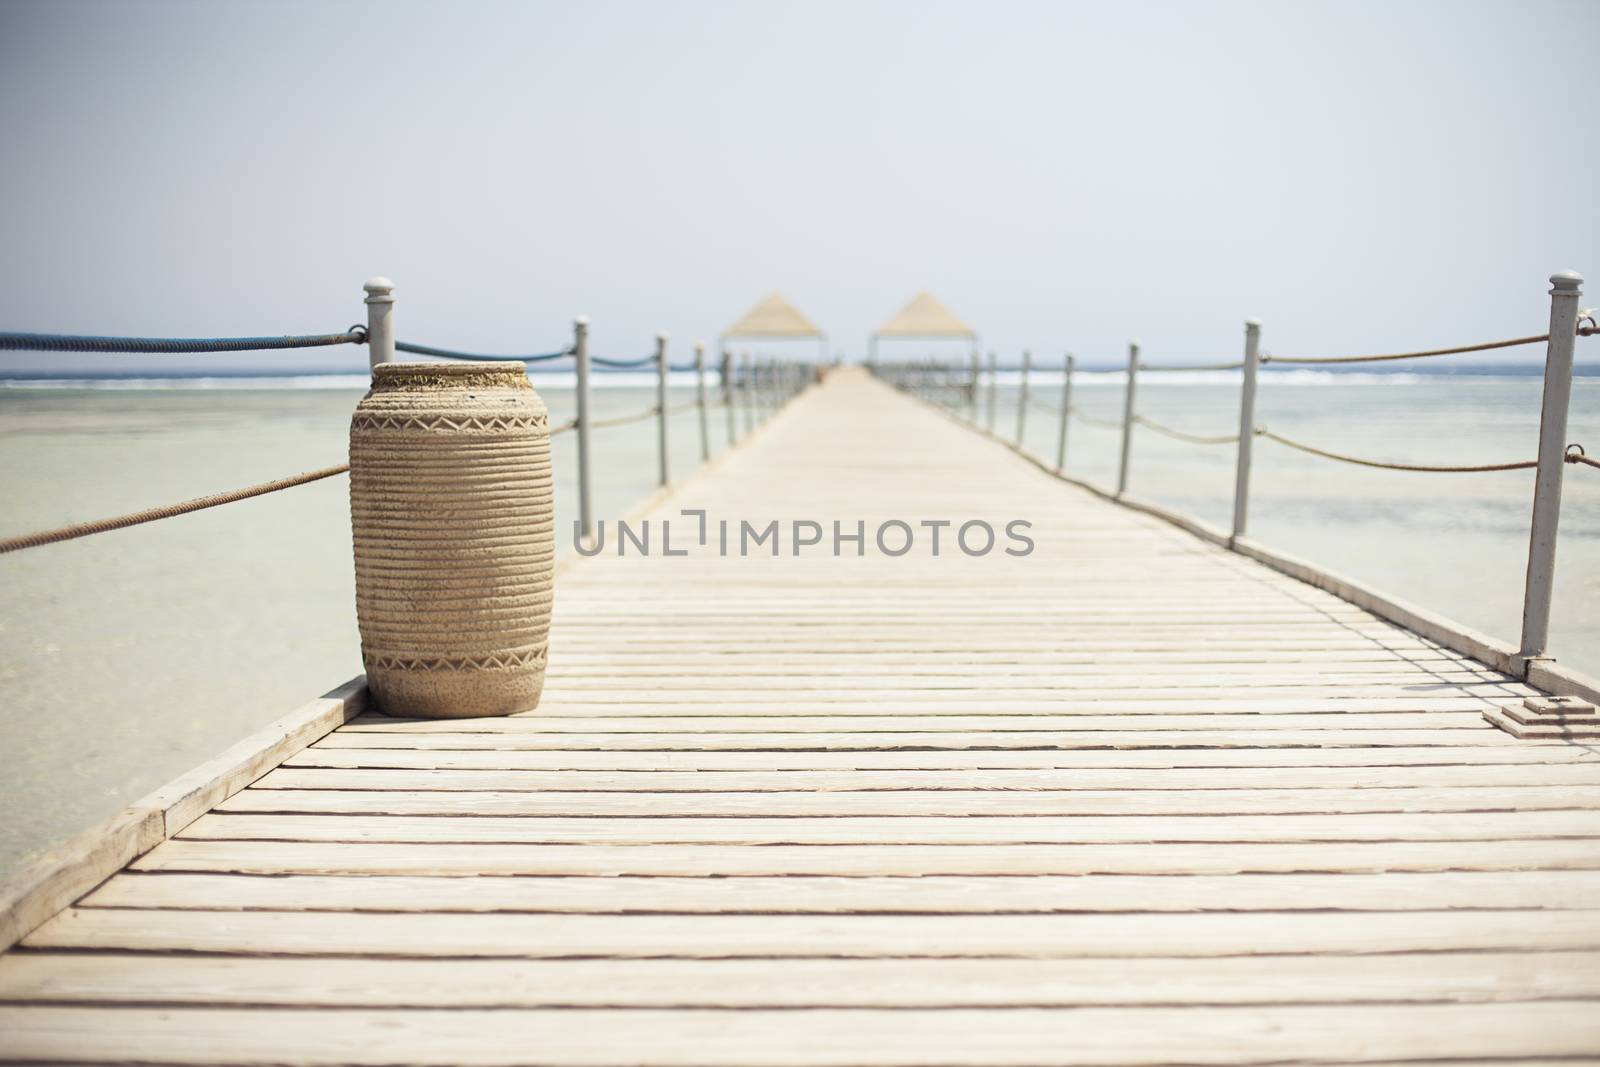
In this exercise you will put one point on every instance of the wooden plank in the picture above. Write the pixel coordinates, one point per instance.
(132, 979)
(760, 772)
(1482, 734)
(946, 1037)
(322, 857)
(1320, 702)
(510, 737)
(1545, 889)
(1044, 936)
(936, 702)
(900, 829)
(919, 802)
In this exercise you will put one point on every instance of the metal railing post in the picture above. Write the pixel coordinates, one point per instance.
(994, 387)
(744, 392)
(1247, 428)
(380, 320)
(1565, 289)
(1127, 416)
(729, 406)
(700, 400)
(580, 355)
(972, 389)
(661, 408)
(1066, 414)
(1022, 396)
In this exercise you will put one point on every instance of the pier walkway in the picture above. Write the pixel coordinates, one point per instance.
(1128, 799)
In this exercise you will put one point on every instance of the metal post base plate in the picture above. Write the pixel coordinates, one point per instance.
(1548, 719)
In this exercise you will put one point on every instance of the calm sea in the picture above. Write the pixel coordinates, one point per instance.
(128, 658)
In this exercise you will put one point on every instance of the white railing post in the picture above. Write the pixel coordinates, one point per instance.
(1127, 417)
(994, 387)
(661, 408)
(580, 356)
(700, 400)
(1022, 396)
(1565, 289)
(380, 320)
(1247, 428)
(1066, 414)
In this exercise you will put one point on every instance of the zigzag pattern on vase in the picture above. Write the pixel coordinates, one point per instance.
(469, 424)
(491, 661)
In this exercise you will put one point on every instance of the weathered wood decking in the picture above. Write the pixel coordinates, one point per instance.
(1129, 800)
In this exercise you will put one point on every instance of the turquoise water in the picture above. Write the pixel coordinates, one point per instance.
(128, 658)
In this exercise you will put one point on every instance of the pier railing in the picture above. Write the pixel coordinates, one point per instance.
(750, 390)
(958, 387)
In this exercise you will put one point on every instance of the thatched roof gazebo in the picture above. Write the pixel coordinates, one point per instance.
(923, 318)
(775, 319)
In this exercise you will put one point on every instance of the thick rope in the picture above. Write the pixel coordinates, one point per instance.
(1191, 366)
(60, 342)
(1110, 424)
(565, 427)
(84, 529)
(1575, 454)
(1513, 343)
(643, 361)
(1262, 431)
(1181, 435)
(623, 420)
(446, 353)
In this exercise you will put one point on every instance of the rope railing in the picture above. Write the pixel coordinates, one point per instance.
(1422, 354)
(602, 361)
(64, 342)
(1184, 435)
(1575, 454)
(1090, 420)
(136, 518)
(776, 382)
(1191, 366)
(121, 522)
(1476, 468)
(450, 353)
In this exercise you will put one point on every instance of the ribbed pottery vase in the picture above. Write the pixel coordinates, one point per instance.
(453, 513)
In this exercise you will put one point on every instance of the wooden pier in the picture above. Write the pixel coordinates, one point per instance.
(1129, 799)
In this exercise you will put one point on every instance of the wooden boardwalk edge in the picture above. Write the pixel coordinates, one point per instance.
(62, 875)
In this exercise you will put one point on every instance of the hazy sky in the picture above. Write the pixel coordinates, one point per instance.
(1066, 176)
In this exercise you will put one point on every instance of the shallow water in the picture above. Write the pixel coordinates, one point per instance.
(131, 657)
